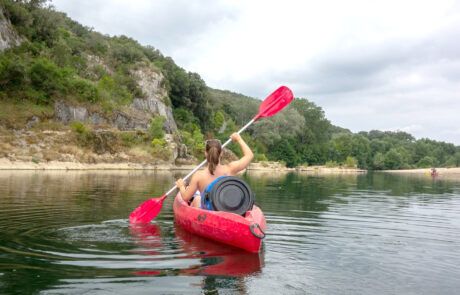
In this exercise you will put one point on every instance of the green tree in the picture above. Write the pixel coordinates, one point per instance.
(378, 162)
(47, 77)
(284, 151)
(218, 120)
(350, 162)
(156, 127)
(184, 118)
(12, 72)
(426, 162)
(393, 159)
(453, 160)
(285, 125)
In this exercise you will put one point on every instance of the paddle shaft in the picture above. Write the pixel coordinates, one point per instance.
(205, 161)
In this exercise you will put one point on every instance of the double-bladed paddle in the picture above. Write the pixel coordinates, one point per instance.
(274, 103)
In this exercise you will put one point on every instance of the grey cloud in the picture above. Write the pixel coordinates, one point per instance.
(357, 85)
(369, 67)
(358, 88)
(156, 23)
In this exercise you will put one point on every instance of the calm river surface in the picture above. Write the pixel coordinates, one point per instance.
(68, 233)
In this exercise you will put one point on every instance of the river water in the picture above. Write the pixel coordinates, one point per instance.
(68, 233)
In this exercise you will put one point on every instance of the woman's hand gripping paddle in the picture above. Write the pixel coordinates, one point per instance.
(274, 103)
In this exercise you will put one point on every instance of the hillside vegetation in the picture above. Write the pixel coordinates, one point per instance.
(60, 59)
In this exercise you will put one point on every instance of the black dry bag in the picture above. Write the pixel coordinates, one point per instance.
(230, 194)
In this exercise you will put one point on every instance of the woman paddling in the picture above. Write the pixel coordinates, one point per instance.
(201, 179)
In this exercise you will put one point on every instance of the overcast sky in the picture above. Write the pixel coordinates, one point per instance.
(387, 65)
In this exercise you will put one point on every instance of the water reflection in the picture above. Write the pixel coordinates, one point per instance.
(215, 258)
(67, 232)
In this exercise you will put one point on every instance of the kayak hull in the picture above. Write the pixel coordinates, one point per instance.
(244, 232)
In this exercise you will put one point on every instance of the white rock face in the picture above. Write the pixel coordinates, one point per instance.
(151, 84)
(135, 116)
(8, 36)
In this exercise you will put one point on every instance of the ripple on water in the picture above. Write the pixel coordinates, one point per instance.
(144, 247)
(325, 235)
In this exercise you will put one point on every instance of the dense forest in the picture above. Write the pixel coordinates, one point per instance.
(53, 61)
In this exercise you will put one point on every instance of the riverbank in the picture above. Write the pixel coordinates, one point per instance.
(7, 164)
(427, 171)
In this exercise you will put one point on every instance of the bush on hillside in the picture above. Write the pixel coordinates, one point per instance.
(156, 127)
(350, 162)
(160, 149)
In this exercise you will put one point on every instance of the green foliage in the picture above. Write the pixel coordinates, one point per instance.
(186, 90)
(157, 142)
(35, 160)
(19, 15)
(84, 133)
(111, 91)
(126, 50)
(84, 90)
(160, 149)
(453, 160)
(426, 162)
(15, 114)
(350, 162)
(156, 128)
(284, 151)
(378, 161)
(331, 164)
(238, 107)
(260, 157)
(287, 124)
(79, 127)
(46, 77)
(312, 139)
(393, 159)
(218, 120)
(132, 138)
(12, 72)
(194, 140)
(61, 59)
(184, 118)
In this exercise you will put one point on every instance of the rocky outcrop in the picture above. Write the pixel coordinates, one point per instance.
(132, 118)
(156, 96)
(8, 36)
(67, 113)
(136, 116)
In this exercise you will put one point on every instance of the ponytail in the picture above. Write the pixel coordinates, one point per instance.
(213, 151)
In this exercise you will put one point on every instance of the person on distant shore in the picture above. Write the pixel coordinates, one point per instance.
(201, 179)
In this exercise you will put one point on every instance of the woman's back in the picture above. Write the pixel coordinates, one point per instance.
(203, 178)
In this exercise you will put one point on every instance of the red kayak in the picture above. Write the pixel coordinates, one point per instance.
(245, 232)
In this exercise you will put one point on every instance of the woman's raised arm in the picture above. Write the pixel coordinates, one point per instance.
(241, 164)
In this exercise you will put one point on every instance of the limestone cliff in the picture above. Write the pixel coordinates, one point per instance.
(112, 131)
(136, 116)
(8, 36)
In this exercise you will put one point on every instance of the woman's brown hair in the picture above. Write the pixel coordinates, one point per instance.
(213, 151)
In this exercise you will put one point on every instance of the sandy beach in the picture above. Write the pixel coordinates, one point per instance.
(427, 171)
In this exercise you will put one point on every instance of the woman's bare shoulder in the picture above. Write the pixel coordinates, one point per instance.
(228, 169)
(198, 174)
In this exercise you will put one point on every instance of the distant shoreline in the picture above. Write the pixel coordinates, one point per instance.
(274, 167)
(427, 171)
(6, 164)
